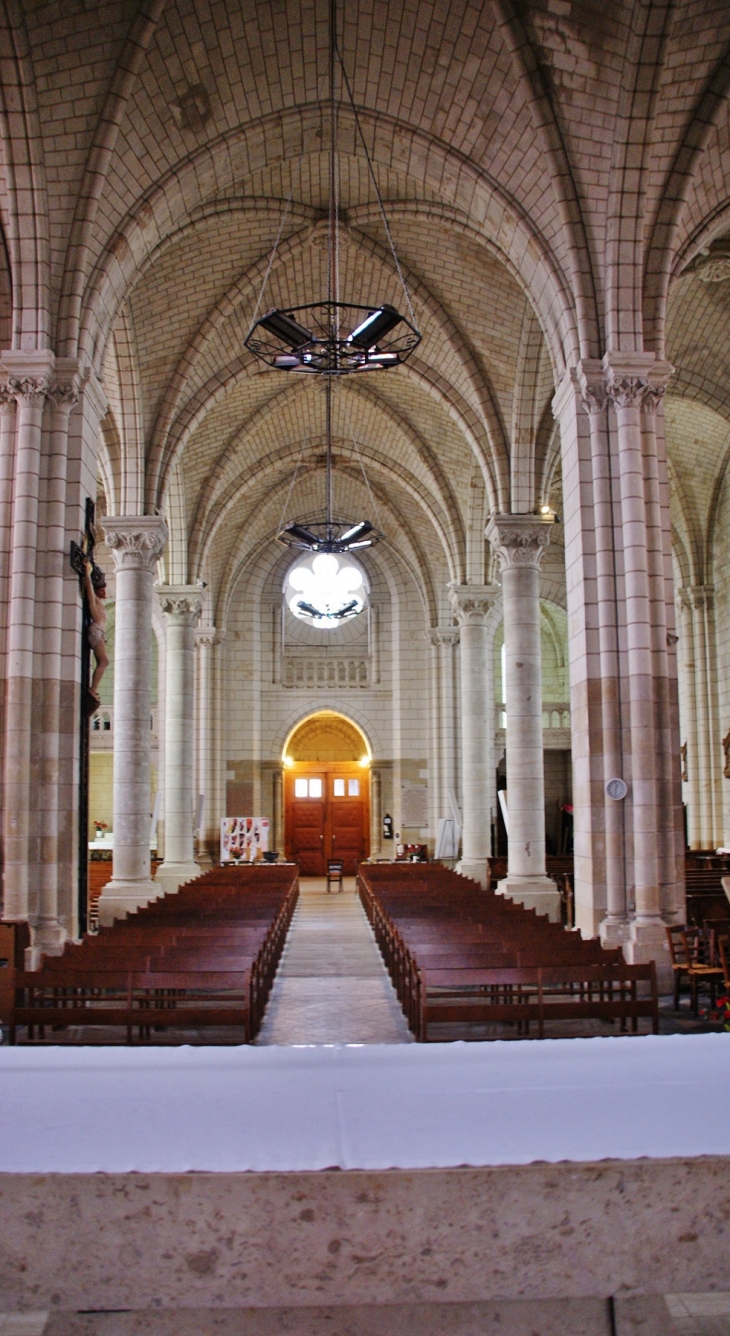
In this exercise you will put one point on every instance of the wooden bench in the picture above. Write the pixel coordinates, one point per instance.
(204, 956)
(459, 955)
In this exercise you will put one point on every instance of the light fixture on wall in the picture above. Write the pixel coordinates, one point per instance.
(332, 337)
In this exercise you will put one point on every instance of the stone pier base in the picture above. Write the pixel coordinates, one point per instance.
(538, 893)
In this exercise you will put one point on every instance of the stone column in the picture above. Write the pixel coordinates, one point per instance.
(137, 542)
(519, 542)
(704, 747)
(205, 639)
(595, 678)
(446, 638)
(688, 716)
(57, 703)
(181, 606)
(435, 801)
(28, 377)
(7, 465)
(634, 384)
(471, 605)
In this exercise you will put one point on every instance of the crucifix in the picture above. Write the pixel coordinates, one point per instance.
(92, 583)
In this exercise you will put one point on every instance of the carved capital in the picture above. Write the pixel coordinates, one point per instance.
(64, 394)
(519, 540)
(698, 597)
(65, 386)
(207, 636)
(32, 389)
(28, 375)
(443, 635)
(472, 603)
(181, 604)
(636, 380)
(591, 385)
(136, 541)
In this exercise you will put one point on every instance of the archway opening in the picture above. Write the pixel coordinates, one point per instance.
(326, 793)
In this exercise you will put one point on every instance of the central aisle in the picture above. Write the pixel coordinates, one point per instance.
(332, 986)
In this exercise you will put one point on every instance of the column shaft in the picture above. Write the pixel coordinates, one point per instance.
(639, 656)
(444, 639)
(635, 384)
(181, 607)
(27, 383)
(49, 934)
(706, 819)
(136, 542)
(471, 605)
(689, 720)
(622, 661)
(519, 541)
(614, 927)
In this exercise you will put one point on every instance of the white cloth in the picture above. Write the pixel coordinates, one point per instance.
(226, 1109)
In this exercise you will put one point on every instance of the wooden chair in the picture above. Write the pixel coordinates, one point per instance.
(702, 963)
(680, 964)
(335, 874)
(723, 947)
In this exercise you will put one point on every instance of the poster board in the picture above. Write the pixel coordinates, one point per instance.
(243, 838)
(414, 806)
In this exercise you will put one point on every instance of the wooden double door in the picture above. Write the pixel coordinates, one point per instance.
(326, 815)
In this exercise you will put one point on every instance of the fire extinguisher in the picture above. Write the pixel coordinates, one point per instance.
(387, 826)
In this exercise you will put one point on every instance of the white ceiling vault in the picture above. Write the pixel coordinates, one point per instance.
(553, 171)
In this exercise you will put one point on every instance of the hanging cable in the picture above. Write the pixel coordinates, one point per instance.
(356, 448)
(291, 488)
(272, 257)
(373, 178)
(328, 431)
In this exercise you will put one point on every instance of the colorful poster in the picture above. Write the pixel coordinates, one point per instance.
(243, 838)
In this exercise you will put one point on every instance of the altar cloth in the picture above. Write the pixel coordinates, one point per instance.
(232, 1109)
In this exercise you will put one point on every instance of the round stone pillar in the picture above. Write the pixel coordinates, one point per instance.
(181, 606)
(137, 543)
(519, 542)
(27, 385)
(446, 639)
(471, 605)
(704, 751)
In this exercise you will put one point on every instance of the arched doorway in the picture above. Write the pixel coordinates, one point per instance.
(326, 793)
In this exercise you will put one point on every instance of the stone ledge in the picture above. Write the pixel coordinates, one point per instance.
(351, 1237)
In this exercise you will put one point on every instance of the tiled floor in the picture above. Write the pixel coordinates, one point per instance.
(332, 986)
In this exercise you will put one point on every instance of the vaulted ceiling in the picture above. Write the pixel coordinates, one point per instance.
(532, 157)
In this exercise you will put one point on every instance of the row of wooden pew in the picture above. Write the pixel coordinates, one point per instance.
(204, 956)
(459, 955)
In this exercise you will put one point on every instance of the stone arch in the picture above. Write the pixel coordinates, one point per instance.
(326, 735)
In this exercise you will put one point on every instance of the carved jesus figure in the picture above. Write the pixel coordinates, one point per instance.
(96, 593)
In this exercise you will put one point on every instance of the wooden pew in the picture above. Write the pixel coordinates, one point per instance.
(204, 956)
(458, 954)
